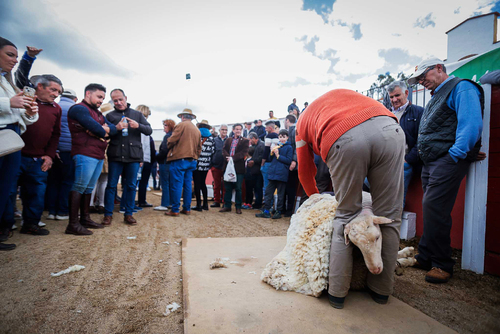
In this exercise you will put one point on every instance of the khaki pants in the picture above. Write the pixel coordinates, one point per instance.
(373, 149)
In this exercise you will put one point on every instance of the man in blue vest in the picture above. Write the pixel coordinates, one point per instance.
(449, 139)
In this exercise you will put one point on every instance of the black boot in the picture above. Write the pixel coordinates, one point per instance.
(74, 226)
(7, 247)
(85, 220)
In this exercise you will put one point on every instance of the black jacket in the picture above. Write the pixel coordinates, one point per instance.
(129, 148)
(217, 158)
(409, 122)
(257, 156)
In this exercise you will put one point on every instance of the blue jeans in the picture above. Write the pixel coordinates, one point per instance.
(129, 170)
(33, 184)
(181, 176)
(87, 171)
(59, 183)
(263, 170)
(408, 173)
(9, 166)
(165, 184)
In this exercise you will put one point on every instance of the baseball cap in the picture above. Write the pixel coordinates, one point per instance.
(420, 68)
(69, 93)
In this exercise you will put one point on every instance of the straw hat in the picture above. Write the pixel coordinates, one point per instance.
(204, 124)
(105, 108)
(186, 112)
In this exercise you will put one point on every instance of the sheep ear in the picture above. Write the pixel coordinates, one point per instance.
(381, 220)
(347, 229)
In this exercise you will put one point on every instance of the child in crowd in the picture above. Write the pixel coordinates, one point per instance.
(280, 158)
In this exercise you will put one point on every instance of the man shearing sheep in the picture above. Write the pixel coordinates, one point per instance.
(357, 137)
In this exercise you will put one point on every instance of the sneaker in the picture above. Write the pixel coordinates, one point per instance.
(51, 217)
(14, 227)
(62, 217)
(263, 214)
(437, 275)
(137, 208)
(336, 302)
(277, 215)
(34, 230)
(161, 208)
(40, 223)
(148, 189)
(121, 210)
(18, 214)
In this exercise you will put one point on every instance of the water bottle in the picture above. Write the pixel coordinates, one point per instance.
(124, 130)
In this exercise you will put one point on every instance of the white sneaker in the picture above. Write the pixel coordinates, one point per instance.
(121, 211)
(62, 217)
(148, 189)
(40, 223)
(51, 217)
(14, 227)
(161, 208)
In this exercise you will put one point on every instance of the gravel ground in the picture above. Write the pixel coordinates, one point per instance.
(127, 283)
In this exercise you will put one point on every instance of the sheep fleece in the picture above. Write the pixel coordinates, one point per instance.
(303, 264)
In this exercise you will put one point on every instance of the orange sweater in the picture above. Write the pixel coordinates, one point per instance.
(324, 121)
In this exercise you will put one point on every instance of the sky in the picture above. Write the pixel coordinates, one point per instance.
(245, 57)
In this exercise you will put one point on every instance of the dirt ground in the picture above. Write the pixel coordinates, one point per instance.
(127, 283)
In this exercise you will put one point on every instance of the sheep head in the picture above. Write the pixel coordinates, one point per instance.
(364, 232)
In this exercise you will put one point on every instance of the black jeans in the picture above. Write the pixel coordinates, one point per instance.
(291, 190)
(441, 181)
(269, 198)
(143, 183)
(200, 186)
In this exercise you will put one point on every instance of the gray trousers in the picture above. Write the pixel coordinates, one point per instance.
(374, 149)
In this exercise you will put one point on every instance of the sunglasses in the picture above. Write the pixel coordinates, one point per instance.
(421, 77)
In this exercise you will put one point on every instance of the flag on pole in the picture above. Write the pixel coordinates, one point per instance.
(188, 76)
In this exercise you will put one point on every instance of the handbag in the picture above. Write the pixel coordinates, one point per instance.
(10, 142)
(230, 173)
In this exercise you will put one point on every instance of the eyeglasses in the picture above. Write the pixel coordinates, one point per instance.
(223, 129)
(422, 76)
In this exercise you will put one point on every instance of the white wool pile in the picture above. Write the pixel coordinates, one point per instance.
(171, 308)
(303, 264)
(217, 263)
(76, 267)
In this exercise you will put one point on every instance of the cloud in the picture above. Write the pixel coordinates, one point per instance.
(354, 28)
(356, 31)
(328, 54)
(303, 82)
(322, 7)
(424, 22)
(61, 43)
(297, 82)
(396, 60)
(311, 45)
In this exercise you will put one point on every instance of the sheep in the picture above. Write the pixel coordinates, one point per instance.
(303, 264)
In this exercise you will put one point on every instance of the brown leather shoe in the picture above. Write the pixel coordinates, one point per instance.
(419, 265)
(437, 275)
(107, 220)
(225, 209)
(186, 212)
(172, 214)
(238, 211)
(129, 220)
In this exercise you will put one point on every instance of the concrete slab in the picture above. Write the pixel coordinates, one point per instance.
(235, 300)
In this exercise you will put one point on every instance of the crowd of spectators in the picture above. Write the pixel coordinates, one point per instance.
(76, 153)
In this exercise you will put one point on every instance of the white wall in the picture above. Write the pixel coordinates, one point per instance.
(475, 36)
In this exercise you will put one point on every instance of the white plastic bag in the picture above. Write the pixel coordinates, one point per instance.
(230, 174)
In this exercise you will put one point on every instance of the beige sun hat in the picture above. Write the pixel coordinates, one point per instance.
(106, 108)
(186, 111)
(420, 68)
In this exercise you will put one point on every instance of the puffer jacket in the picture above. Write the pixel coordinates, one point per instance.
(279, 167)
